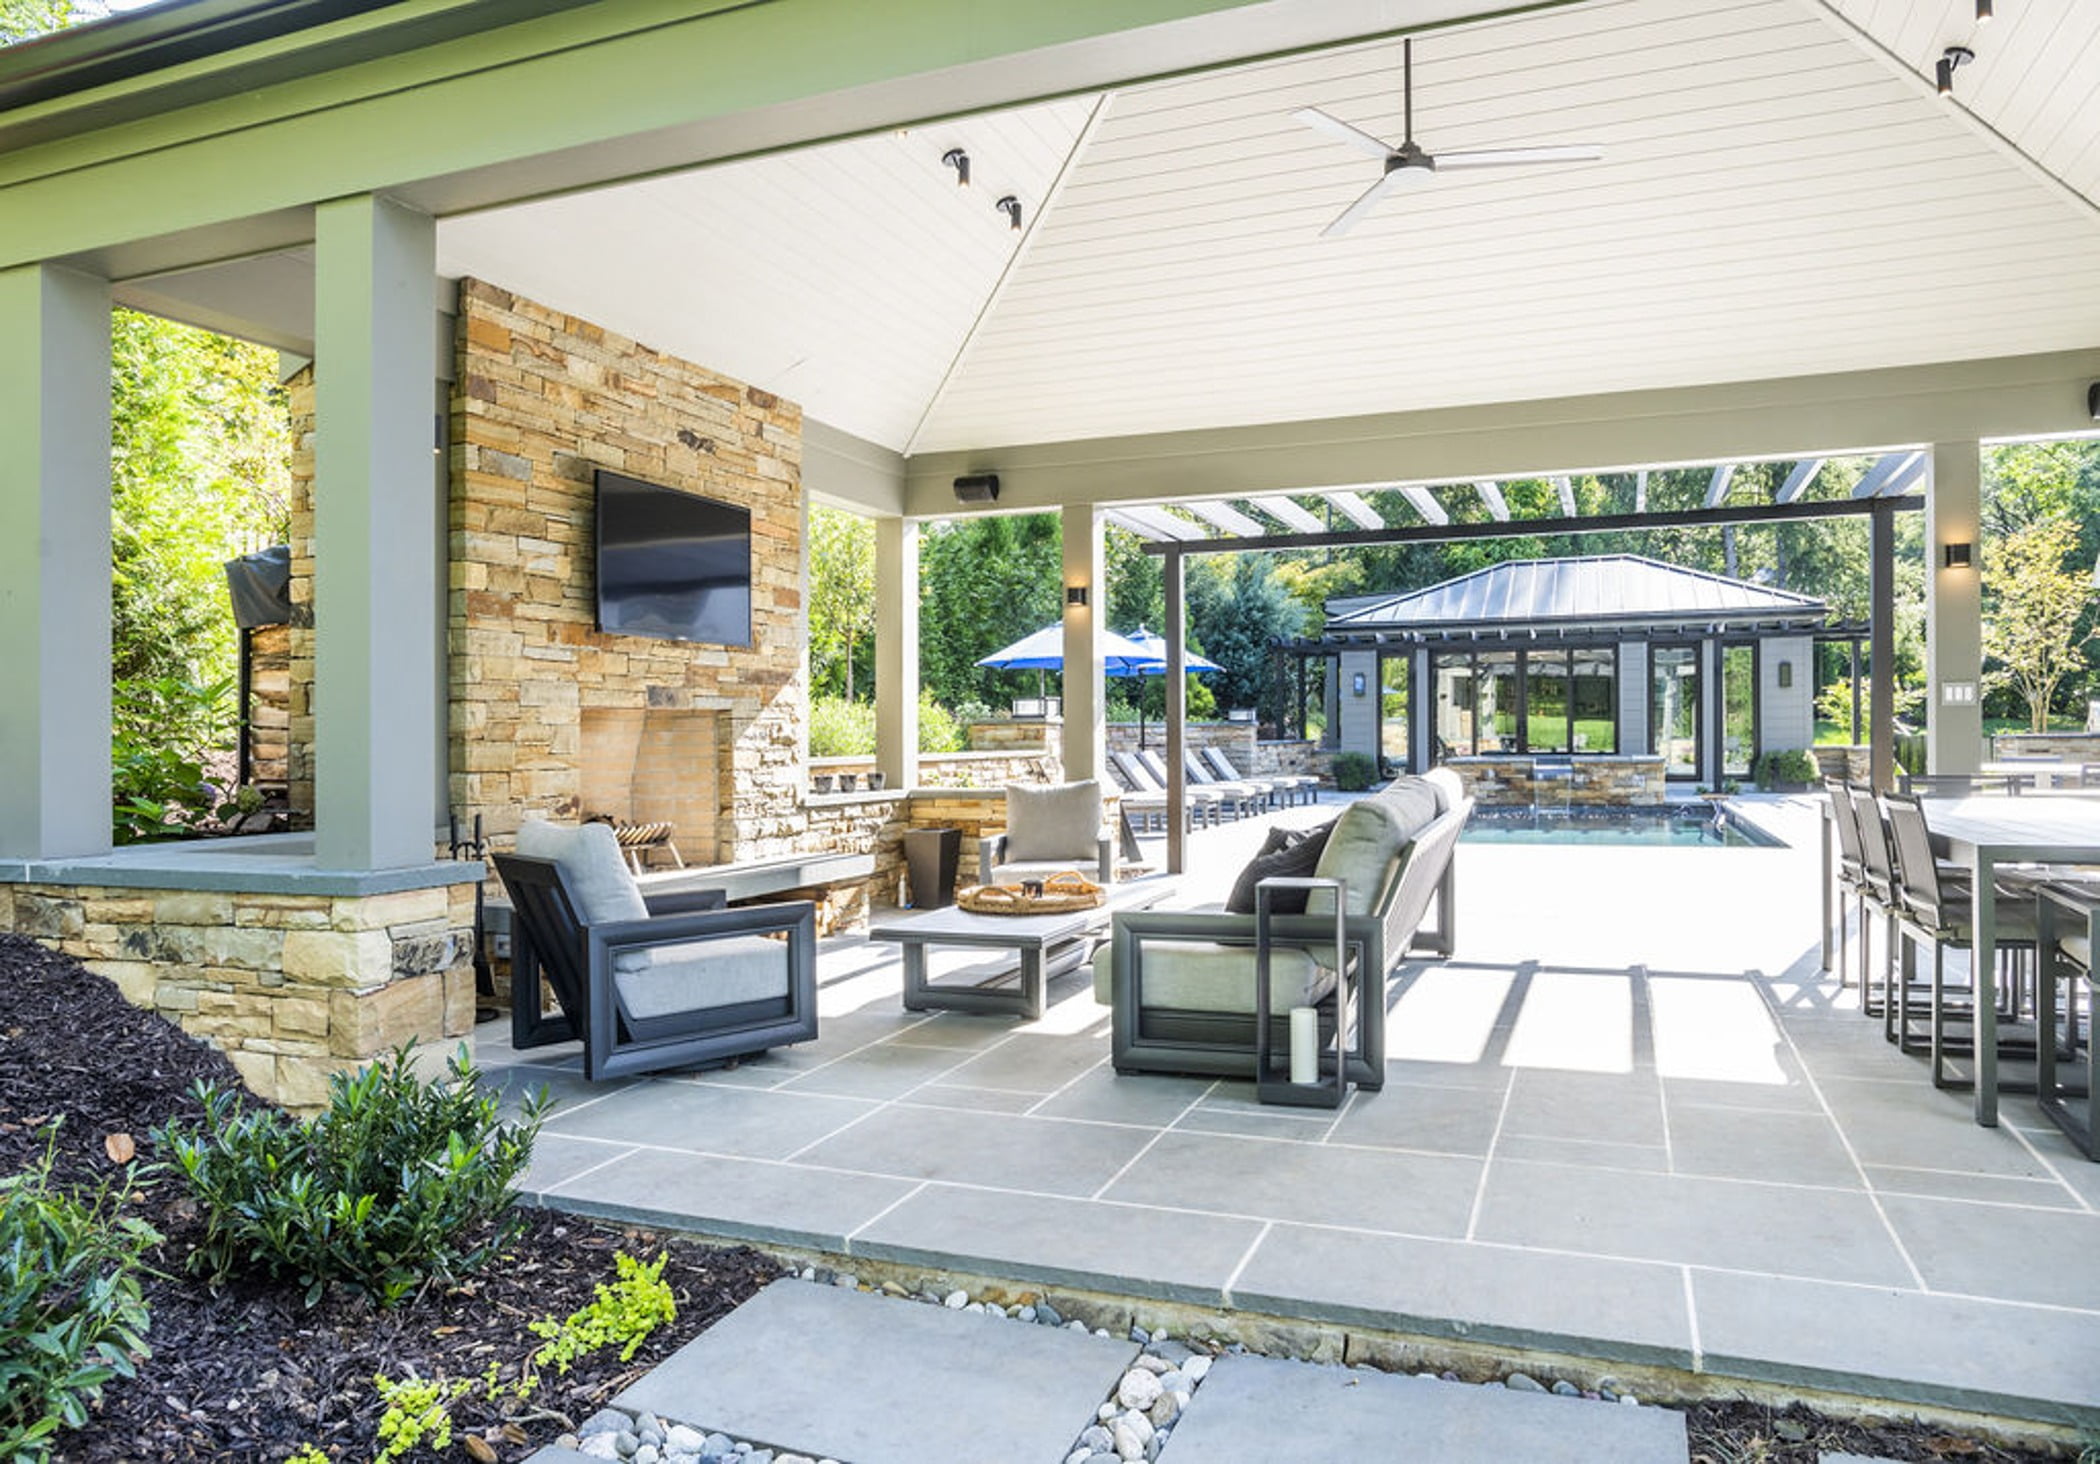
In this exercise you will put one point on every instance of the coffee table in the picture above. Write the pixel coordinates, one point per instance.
(1045, 945)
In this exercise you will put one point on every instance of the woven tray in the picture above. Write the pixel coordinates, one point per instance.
(1062, 893)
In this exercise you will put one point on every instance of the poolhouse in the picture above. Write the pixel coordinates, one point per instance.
(1614, 673)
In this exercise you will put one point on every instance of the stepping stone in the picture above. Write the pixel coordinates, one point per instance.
(830, 1372)
(555, 1454)
(1255, 1410)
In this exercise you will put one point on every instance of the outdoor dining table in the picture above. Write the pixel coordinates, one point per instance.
(1984, 833)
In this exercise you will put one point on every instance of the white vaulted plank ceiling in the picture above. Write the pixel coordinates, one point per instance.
(1772, 201)
(1781, 194)
(844, 277)
(2035, 79)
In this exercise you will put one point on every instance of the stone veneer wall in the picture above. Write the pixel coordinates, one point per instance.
(1631, 778)
(2077, 747)
(291, 987)
(299, 691)
(543, 400)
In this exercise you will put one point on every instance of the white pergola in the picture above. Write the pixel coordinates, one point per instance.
(1793, 247)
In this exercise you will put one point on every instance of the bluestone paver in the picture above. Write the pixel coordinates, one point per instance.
(824, 1370)
(1256, 1410)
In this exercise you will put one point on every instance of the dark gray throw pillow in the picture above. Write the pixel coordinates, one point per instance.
(1285, 853)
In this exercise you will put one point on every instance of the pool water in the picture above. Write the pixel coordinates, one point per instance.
(1683, 824)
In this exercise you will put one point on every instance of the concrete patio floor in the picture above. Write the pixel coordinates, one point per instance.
(1631, 1122)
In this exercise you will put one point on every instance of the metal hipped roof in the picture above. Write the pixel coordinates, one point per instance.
(1619, 588)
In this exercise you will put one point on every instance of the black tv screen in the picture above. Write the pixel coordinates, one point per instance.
(672, 565)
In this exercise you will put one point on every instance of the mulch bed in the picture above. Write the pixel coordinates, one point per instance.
(247, 1373)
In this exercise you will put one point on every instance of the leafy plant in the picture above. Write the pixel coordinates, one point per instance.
(71, 1313)
(839, 728)
(939, 730)
(395, 1183)
(417, 1412)
(1354, 771)
(162, 730)
(1771, 769)
(622, 1314)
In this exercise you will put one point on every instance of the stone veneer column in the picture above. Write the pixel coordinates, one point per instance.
(1954, 609)
(54, 562)
(897, 650)
(1085, 704)
(375, 562)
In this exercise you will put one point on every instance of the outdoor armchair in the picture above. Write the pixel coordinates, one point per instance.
(1048, 831)
(645, 984)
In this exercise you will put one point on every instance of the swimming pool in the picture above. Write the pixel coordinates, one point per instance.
(1705, 825)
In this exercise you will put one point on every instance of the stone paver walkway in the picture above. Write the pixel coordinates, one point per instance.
(1631, 1122)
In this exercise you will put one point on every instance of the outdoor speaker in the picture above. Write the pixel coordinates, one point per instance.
(977, 488)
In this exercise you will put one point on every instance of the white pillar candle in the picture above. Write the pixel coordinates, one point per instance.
(1305, 1045)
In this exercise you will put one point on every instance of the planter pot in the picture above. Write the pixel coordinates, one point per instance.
(849, 782)
(821, 783)
(877, 782)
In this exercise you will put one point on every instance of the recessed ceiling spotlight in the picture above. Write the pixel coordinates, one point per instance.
(959, 160)
(1951, 58)
(1011, 207)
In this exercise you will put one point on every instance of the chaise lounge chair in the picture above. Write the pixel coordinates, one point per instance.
(1289, 787)
(1146, 796)
(645, 984)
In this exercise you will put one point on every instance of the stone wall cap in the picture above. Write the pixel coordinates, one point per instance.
(270, 864)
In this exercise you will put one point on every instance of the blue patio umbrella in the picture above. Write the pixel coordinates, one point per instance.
(1157, 645)
(1045, 651)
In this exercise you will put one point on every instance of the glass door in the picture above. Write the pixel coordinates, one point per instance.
(1393, 710)
(1738, 709)
(1454, 706)
(1673, 708)
(1546, 701)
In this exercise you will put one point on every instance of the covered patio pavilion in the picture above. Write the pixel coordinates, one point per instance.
(723, 246)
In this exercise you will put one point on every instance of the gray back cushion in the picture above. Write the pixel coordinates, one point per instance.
(1361, 850)
(1059, 822)
(592, 866)
(1450, 788)
(1415, 803)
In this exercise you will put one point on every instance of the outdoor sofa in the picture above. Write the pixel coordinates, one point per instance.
(1181, 983)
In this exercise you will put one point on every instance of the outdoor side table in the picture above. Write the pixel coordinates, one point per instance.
(1322, 1091)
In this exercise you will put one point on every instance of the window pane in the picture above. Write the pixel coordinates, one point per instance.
(1738, 709)
(1454, 706)
(1674, 708)
(1595, 693)
(1392, 707)
(1497, 700)
(1546, 701)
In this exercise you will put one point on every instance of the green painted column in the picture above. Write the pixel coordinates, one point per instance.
(1954, 610)
(375, 551)
(897, 650)
(1085, 698)
(54, 563)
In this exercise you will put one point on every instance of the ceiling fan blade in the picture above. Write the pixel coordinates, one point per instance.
(1341, 131)
(1354, 213)
(1515, 157)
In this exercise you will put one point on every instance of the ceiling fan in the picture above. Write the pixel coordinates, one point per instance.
(1409, 164)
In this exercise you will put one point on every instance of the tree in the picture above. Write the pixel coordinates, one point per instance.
(1238, 609)
(983, 583)
(25, 20)
(2032, 628)
(841, 597)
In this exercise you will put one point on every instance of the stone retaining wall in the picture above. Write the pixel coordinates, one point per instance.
(291, 987)
(1628, 779)
(2077, 747)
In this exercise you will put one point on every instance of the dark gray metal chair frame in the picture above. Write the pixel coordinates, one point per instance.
(2059, 907)
(1852, 882)
(1878, 894)
(1961, 785)
(547, 939)
(1930, 912)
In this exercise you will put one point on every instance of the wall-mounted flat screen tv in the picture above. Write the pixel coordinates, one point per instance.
(672, 565)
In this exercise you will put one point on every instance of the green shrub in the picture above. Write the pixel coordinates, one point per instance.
(1770, 769)
(397, 1182)
(1354, 771)
(71, 1313)
(939, 731)
(841, 728)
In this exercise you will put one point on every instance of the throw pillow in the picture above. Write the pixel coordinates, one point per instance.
(1062, 821)
(591, 863)
(1293, 859)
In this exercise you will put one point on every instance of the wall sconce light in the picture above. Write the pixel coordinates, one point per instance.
(959, 160)
(1958, 556)
(1952, 57)
(1786, 675)
(1357, 684)
(1983, 11)
(1075, 596)
(1011, 207)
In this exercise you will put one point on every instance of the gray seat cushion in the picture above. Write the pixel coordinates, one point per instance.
(664, 980)
(591, 865)
(1017, 870)
(1059, 822)
(1206, 976)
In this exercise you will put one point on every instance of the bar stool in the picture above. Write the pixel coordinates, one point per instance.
(1852, 882)
(2068, 928)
